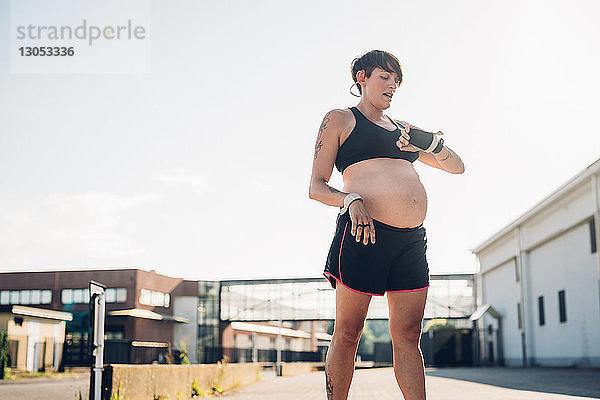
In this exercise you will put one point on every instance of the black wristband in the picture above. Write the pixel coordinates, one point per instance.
(439, 147)
(423, 140)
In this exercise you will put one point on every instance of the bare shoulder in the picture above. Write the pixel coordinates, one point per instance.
(340, 117)
(335, 126)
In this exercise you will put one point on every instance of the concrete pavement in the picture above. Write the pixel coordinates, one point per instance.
(45, 388)
(442, 384)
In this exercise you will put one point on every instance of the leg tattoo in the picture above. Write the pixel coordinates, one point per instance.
(329, 386)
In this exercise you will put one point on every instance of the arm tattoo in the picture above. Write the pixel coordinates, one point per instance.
(319, 143)
(329, 386)
(332, 190)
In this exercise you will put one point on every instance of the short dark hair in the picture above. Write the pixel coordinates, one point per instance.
(373, 59)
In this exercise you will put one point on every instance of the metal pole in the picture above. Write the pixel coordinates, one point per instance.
(96, 337)
(254, 348)
(99, 351)
(90, 340)
(278, 363)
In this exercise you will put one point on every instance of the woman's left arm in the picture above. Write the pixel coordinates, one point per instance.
(446, 159)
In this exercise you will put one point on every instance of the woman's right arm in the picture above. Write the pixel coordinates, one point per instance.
(326, 149)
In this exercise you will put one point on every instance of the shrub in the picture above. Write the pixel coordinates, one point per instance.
(183, 354)
(196, 390)
(118, 395)
(3, 353)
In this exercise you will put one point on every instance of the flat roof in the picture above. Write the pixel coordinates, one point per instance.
(147, 314)
(274, 330)
(42, 313)
(564, 189)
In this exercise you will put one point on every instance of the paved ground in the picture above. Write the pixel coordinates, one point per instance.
(442, 384)
(564, 381)
(45, 388)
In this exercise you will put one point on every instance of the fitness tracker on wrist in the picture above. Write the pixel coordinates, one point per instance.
(350, 197)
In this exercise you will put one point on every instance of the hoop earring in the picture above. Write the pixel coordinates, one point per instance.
(355, 95)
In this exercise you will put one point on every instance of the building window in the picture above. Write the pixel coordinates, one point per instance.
(82, 296)
(116, 295)
(67, 296)
(154, 298)
(78, 296)
(110, 295)
(75, 296)
(121, 295)
(27, 297)
(46, 297)
(562, 306)
(542, 318)
(14, 297)
(593, 243)
(36, 296)
(114, 335)
(519, 315)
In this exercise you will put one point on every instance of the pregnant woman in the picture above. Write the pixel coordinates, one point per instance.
(380, 242)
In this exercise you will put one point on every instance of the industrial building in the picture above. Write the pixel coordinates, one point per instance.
(156, 318)
(149, 317)
(539, 301)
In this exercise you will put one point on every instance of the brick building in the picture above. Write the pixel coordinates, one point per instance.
(148, 315)
(139, 303)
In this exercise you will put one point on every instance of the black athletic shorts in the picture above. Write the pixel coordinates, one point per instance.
(395, 263)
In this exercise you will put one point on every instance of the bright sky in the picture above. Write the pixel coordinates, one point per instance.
(200, 168)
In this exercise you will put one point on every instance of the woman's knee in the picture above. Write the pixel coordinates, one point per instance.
(406, 333)
(348, 333)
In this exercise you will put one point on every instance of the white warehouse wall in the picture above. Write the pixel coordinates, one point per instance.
(500, 290)
(566, 263)
(554, 240)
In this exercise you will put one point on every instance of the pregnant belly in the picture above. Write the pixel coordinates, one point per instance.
(391, 190)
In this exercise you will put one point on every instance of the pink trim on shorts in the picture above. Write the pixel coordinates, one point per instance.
(346, 286)
(407, 290)
(340, 254)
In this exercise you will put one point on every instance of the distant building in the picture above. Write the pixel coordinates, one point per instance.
(148, 315)
(251, 310)
(255, 341)
(152, 317)
(248, 314)
(540, 280)
(139, 307)
(35, 336)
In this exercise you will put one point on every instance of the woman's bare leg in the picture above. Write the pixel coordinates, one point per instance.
(351, 310)
(406, 318)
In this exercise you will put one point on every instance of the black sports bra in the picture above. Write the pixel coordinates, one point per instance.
(369, 140)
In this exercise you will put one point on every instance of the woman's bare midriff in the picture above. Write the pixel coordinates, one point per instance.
(391, 190)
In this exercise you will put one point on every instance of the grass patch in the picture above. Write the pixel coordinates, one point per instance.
(15, 374)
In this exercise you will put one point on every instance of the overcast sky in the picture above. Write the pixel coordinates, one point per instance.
(199, 168)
